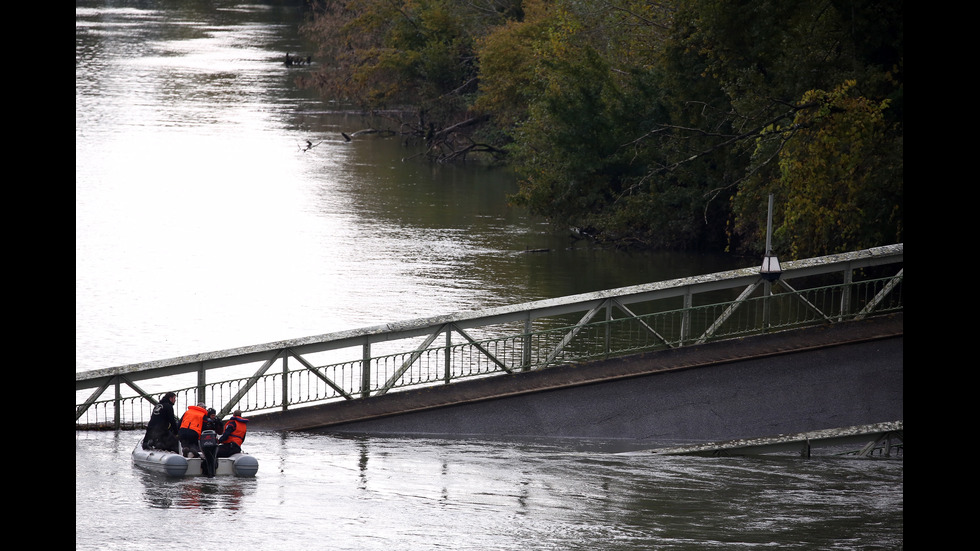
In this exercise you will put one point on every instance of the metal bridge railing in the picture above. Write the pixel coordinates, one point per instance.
(524, 337)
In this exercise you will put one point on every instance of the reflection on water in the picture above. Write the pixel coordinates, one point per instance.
(198, 493)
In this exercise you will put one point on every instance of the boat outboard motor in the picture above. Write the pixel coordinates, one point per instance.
(209, 452)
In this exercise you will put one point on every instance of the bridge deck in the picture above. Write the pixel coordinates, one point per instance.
(884, 439)
(444, 407)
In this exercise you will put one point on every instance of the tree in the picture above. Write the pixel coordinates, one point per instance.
(587, 128)
(412, 57)
(840, 176)
(745, 78)
(822, 99)
(654, 124)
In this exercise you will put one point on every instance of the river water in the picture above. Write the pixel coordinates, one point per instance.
(205, 221)
(325, 492)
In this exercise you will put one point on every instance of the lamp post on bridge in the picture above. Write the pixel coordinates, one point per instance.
(770, 270)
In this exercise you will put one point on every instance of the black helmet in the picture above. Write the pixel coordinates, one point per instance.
(211, 411)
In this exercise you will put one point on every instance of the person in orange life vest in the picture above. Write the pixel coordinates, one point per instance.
(161, 429)
(233, 435)
(191, 425)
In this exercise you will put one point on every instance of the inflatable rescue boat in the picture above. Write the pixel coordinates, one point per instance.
(175, 464)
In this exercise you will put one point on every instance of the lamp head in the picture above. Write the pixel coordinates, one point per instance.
(770, 270)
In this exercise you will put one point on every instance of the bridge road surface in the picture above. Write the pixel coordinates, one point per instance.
(824, 377)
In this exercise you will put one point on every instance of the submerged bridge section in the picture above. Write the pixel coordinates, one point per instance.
(818, 378)
(605, 345)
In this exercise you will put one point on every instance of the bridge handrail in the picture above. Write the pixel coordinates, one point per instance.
(432, 327)
(518, 312)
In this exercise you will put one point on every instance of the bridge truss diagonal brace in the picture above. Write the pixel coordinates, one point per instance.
(321, 376)
(576, 329)
(80, 410)
(482, 349)
(444, 328)
(805, 302)
(225, 409)
(642, 322)
(742, 297)
(415, 355)
(886, 442)
(603, 304)
(83, 407)
(868, 308)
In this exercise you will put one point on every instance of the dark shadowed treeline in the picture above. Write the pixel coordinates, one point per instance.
(648, 124)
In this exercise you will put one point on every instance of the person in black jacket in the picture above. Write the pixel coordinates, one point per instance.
(211, 422)
(161, 430)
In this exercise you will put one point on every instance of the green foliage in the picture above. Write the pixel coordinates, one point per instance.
(832, 159)
(400, 53)
(508, 60)
(839, 177)
(767, 58)
(549, 86)
(655, 124)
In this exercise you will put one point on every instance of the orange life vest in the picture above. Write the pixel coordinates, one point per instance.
(238, 434)
(193, 419)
